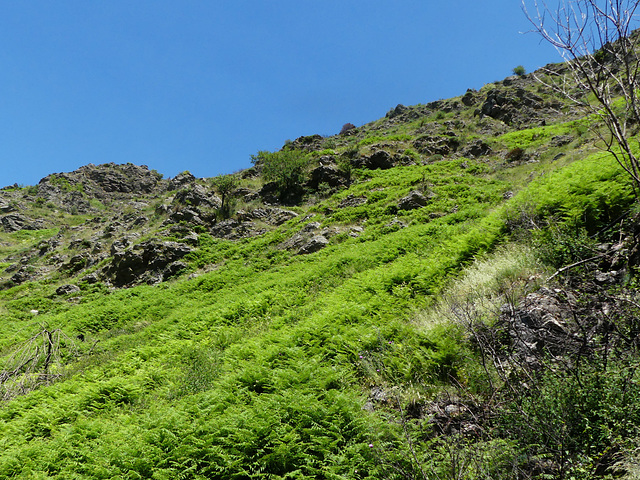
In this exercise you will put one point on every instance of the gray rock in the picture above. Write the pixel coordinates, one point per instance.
(379, 160)
(310, 227)
(78, 262)
(307, 143)
(399, 110)
(469, 98)
(67, 289)
(197, 196)
(317, 242)
(326, 174)
(119, 245)
(15, 222)
(181, 180)
(477, 148)
(91, 279)
(144, 261)
(352, 201)
(396, 224)
(561, 140)
(436, 144)
(6, 207)
(24, 274)
(174, 269)
(126, 178)
(414, 200)
(269, 215)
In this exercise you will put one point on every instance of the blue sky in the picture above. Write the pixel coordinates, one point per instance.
(201, 85)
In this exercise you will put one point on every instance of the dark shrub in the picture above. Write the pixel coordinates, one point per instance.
(346, 127)
(515, 155)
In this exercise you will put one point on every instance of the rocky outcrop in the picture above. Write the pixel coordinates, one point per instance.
(270, 215)
(233, 229)
(25, 273)
(67, 289)
(150, 261)
(312, 238)
(251, 223)
(436, 144)
(352, 201)
(517, 106)
(6, 207)
(197, 196)
(470, 98)
(315, 243)
(379, 160)
(327, 175)
(105, 183)
(128, 178)
(15, 222)
(181, 180)
(307, 143)
(477, 148)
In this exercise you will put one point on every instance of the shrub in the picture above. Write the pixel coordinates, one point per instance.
(515, 155)
(285, 168)
(224, 185)
(519, 70)
(346, 127)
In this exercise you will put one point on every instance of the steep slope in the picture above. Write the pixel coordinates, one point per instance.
(152, 329)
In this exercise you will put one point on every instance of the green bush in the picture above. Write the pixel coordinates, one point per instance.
(519, 70)
(225, 185)
(286, 168)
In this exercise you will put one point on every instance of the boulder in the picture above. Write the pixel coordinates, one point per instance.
(514, 106)
(78, 262)
(67, 289)
(469, 98)
(539, 324)
(561, 140)
(181, 180)
(436, 144)
(399, 110)
(413, 200)
(477, 148)
(378, 160)
(174, 269)
(328, 175)
(317, 242)
(233, 229)
(14, 222)
(352, 201)
(197, 196)
(6, 207)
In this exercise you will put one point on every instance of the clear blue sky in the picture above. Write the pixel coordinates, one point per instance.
(201, 85)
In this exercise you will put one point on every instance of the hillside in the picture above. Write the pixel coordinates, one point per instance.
(445, 292)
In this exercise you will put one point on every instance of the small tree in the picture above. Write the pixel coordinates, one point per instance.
(286, 168)
(519, 71)
(225, 185)
(346, 127)
(601, 52)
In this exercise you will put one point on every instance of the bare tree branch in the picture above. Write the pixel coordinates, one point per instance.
(600, 49)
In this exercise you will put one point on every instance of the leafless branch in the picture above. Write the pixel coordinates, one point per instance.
(602, 74)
